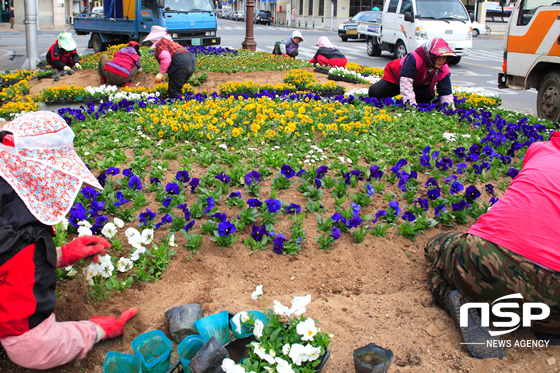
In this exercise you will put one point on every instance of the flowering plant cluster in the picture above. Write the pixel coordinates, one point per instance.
(284, 344)
(346, 73)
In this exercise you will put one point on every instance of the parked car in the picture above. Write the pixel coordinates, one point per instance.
(240, 15)
(97, 11)
(349, 29)
(478, 29)
(263, 17)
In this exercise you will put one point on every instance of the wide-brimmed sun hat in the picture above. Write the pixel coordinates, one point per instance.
(156, 33)
(41, 165)
(297, 34)
(66, 42)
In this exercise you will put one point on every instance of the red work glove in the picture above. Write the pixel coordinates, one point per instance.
(82, 247)
(285, 55)
(112, 326)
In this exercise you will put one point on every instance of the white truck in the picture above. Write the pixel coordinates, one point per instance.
(407, 24)
(532, 54)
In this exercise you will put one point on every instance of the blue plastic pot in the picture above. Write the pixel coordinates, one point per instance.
(188, 348)
(216, 325)
(121, 363)
(247, 330)
(154, 351)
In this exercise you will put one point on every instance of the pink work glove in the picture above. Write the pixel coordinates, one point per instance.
(82, 247)
(285, 55)
(112, 326)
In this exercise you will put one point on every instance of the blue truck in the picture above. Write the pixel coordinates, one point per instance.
(188, 22)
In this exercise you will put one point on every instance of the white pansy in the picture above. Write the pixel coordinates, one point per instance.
(71, 271)
(109, 230)
(131, 232)
(84, 231)
(172, 241)
(227, 364)
(84, 223)
(299, 354)
(272, 353)
(307, 329)
(91, 271)
(314, 352)
(283, 366)
(280, 309)
(349, 160)
(124, 264)
(341, 159)
(118, 223)
(258, 292)
(147, 236)
(258, 330)
(238, 320)
(286, 349)
(477, 91)
(64, 223)
(261, 353)
(299, 303)
(236, 369)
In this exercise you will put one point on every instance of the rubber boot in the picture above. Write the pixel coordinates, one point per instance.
(475, 335)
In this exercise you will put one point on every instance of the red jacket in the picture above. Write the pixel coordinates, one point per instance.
(123, 61)
(170, 46)
(56, 54)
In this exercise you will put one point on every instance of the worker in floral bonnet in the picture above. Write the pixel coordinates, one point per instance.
(62, 55)
(173, 59)
(40, 176)
(416, 75)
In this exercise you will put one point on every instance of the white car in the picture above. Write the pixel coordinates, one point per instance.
(479, 29)
(97, 11)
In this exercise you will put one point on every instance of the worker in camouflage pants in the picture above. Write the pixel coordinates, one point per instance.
(513, 248)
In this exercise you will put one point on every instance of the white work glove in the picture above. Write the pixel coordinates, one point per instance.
(67, 68)
(78, 66)
(159, 77)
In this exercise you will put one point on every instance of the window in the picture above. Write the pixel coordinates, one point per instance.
(357, 6)
(451, 10)
(151, 5)
(406, 6)
(393, 6)
(321, 8)
(528, 9)
(300, 7)
(310, 10)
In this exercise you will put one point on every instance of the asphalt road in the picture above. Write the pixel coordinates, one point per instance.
(480, 69)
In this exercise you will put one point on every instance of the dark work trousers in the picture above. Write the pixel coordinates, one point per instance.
(385, 89)
(180, 70)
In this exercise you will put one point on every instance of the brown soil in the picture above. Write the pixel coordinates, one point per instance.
(375, 291)
(86, 78)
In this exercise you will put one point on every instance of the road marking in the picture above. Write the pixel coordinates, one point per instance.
(475, 64)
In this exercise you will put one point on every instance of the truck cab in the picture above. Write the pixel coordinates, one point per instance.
(407, 24)
(188, 22)
(532, 54)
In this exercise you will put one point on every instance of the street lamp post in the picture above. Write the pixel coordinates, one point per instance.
(249, 42)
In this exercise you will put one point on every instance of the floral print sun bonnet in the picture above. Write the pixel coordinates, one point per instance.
(41, 165)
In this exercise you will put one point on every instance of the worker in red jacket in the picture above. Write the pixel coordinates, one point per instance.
(62, 55)
(40, 176)
(328, 54)
(124, 66)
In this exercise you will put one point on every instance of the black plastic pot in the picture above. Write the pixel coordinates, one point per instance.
(343, 79)
(372, 359)
(209, 358)
(321, 70)
(181, 320)
(332, 93)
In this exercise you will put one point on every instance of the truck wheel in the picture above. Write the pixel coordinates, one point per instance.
(141, 40)
(548, 99)
(372, 48)
(96, 43)
(455, 61)
(475, 33)
(400, 50)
